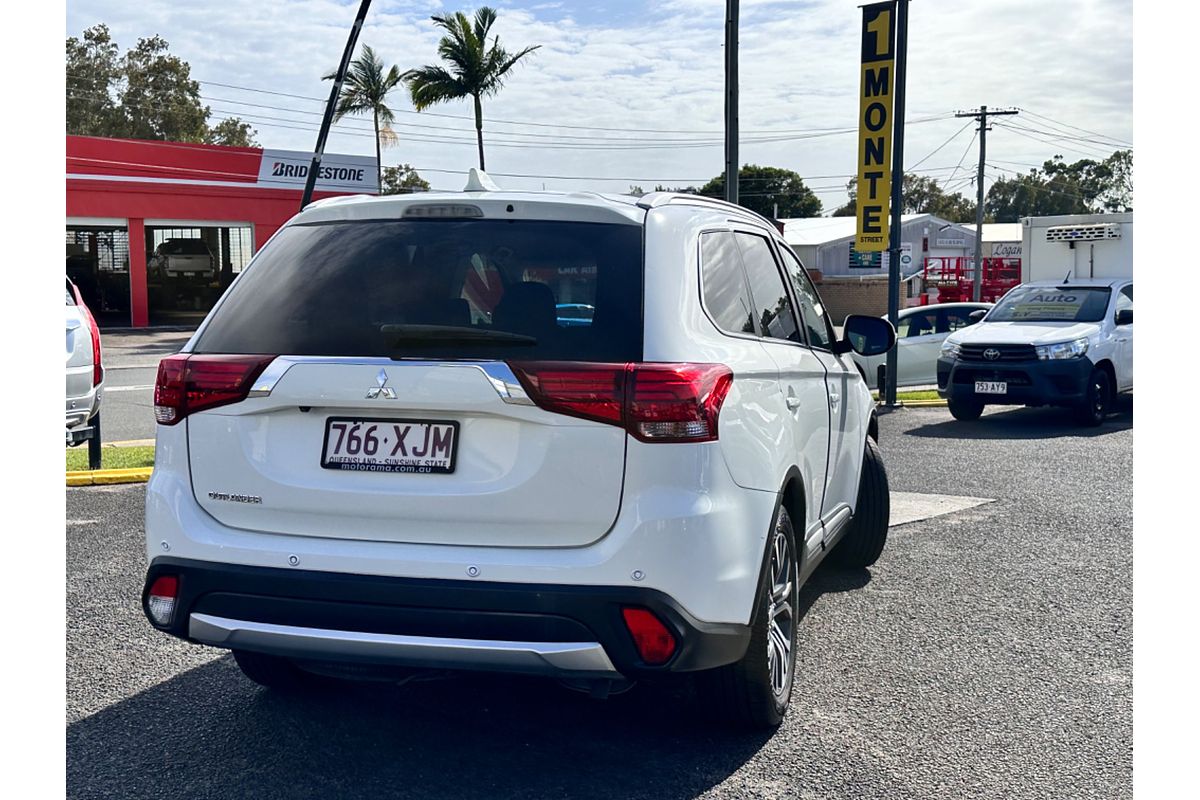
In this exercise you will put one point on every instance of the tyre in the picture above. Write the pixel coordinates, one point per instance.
(1098, 399)
(272, 672)
(864, 541)
(755, 691)
(965, 410)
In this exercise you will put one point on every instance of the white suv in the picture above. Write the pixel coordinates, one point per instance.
(384, 447)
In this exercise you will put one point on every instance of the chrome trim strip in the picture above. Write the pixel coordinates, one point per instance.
(498, 373)
(575, 659)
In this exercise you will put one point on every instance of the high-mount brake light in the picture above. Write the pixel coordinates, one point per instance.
(444, 211)
(190, 383)
(654, 402)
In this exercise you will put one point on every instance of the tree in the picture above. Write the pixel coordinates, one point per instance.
(232, 132)
(365, 91)
(921, 195)
(93, 71)
(768, 189)
(402, 180)
(475, 70)
(147, 93)
(160, 100)
(1085, 186)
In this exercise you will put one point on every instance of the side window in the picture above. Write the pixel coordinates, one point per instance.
(772, 306)
(953, 319)
(812, 313)
(1125, 298)
(723, 283)
(922, 323)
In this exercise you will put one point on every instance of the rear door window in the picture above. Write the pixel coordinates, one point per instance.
(772, 306)
(723, 281)
(439, 289)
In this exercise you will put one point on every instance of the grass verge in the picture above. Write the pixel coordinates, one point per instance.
(111, 457)
(926, 394)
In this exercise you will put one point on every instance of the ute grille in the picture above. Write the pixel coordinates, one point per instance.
(1008, 352)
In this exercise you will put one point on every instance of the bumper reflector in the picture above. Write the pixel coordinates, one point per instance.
(654, 642)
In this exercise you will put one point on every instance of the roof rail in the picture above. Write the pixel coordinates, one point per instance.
(656, 199)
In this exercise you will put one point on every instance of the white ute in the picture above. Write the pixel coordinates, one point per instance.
(1061, 343)
(396, 443)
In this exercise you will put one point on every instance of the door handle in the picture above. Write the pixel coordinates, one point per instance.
(793, 402)
(834, 398)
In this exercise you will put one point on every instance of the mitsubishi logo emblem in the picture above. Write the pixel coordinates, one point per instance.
(991, 354)
(382, 390)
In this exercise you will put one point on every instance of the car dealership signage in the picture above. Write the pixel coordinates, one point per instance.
(288, 169)
(875, 127)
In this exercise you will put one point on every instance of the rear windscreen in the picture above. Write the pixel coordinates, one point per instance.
(439, 289)
(185, 247)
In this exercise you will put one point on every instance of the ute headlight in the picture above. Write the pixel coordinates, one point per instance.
(950, 350)
(1062, 350)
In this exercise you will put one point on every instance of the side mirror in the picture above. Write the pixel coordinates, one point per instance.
(1125, 316)
(867, 336)
(977, 315)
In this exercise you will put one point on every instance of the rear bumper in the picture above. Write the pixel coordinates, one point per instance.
(574, 631)
(1061, 383)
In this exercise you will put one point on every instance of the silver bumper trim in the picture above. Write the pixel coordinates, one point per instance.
(575, 659)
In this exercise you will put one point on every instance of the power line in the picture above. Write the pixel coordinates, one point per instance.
(525, 122)
(1092, 152)
(939, 147)
(1075, 127)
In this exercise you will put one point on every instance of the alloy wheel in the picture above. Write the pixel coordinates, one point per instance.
(781, 612)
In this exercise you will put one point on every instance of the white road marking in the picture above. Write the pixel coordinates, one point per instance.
(909, 507)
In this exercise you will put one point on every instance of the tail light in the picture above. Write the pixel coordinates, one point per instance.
(653, 402)
(190, 383)
(97, 362)
(160, 602)
(654, 642)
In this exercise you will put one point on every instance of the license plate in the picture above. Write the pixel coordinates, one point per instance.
(991, 387)
(419, 446)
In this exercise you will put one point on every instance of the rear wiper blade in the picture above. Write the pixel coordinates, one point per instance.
(449, 334)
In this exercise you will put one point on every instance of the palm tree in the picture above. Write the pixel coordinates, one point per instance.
(365, 90)
(475, 70)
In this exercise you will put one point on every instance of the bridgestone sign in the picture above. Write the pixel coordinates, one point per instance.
(875, 127)
(288, 169)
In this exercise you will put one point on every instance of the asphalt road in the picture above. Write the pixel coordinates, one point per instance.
(987, 654)
(130, 366)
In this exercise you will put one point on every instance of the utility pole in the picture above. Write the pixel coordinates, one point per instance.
(731, 100)
(982, 116)
(319, 152)
(897, 199)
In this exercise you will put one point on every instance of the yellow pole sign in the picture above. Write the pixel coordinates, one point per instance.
(875, 127)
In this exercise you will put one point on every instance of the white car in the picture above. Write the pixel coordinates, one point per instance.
(85, 370)
(1045, 343)
(385, 448)
(182, 257)
(920, 331)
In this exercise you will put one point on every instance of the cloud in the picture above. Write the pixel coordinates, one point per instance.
(624, 69)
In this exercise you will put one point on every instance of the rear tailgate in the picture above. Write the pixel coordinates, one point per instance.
(258, 464)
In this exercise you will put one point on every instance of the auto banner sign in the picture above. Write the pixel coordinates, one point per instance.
(875, 126)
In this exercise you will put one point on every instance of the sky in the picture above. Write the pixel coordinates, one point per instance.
(628, 93)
